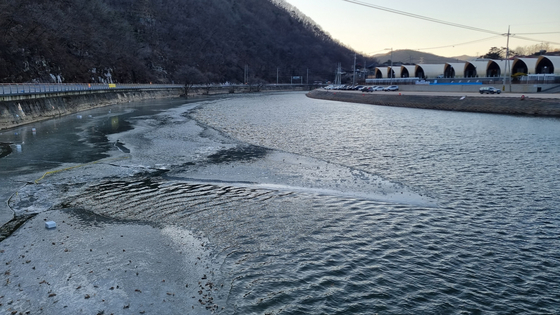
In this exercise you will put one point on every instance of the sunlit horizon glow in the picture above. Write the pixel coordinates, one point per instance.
(370, 31)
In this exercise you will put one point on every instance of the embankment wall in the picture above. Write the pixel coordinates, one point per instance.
(36, 108)
(498, 105)
(466, 88)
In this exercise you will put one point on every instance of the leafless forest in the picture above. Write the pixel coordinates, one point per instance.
(160, 41)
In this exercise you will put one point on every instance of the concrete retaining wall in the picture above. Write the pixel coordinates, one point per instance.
(498, 105)
(23, 110)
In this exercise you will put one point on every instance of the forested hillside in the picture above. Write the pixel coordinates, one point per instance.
(161, 41)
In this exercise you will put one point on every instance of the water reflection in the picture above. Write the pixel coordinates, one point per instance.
(115, 124)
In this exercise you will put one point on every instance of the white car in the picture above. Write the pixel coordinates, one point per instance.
(377, 88)
(489, 90)
(391, 88)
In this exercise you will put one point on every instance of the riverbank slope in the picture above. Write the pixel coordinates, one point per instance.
(538, 105)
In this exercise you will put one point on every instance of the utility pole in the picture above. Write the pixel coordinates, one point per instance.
(354, 75)
(391, 72)
(337, 80)
(392, 66)
(506, 63)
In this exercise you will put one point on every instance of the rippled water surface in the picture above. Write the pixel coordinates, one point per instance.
(317, 207)
(492, 244)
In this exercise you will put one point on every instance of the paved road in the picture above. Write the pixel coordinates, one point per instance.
(32, 88)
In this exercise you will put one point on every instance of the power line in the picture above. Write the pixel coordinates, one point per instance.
(465, 43)
(534, 40)
(421, 17)
(426, 18)
(538, 33)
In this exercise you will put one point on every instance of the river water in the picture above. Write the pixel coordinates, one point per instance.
(318, 207)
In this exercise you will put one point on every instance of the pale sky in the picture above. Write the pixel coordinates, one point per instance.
(370, 31)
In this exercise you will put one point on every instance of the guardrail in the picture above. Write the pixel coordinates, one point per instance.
(36, 88)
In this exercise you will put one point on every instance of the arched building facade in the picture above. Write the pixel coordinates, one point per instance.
(454, 70)
(496, 68)
(548, 65)
(394, 72)
(381, 72)
(429, 71)
(471, 69)
(524, 65)
(407, 71)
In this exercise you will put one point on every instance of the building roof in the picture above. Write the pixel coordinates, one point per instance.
(430, 70)
(480, 68)
(459, 68)
(397, 70)
(384, 71)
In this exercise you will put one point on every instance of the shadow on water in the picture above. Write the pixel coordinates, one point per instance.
(238, 154)
(5, 149)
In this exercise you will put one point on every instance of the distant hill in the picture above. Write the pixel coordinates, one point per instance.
(415, 57)
(162, 41)
(465, 58)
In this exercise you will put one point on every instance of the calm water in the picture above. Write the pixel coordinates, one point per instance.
(316, 207)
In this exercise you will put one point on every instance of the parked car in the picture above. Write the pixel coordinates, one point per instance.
(391, 88)
(377, 88)
(489, 90)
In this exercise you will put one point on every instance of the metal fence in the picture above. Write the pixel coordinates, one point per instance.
(386, 81)
(36, 88)
(528, 79)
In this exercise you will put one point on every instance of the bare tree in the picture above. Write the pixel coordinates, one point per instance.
(190, 76)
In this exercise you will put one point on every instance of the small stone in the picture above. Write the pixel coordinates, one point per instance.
(50, 224)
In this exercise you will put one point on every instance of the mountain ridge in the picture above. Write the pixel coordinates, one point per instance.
(172, 41)
(161, 41)
(410, 56)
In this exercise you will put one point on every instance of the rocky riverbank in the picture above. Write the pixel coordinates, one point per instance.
(500, 104)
